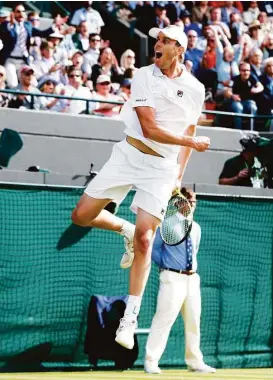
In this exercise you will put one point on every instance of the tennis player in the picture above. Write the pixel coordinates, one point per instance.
(179, 291)
(160, 119)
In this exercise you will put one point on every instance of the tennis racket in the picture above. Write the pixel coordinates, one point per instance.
(177, 222)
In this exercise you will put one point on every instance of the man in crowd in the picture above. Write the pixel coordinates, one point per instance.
(243, 92)
(87, 13)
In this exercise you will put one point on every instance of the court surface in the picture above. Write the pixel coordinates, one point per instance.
(221, 374)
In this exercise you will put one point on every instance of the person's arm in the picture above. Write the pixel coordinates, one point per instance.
(236, 179)
(185, 153)
(152, 131)
(257, 88)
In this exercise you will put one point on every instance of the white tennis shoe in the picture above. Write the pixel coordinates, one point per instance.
(125, 333)
(203, 368)
(151, 366)
(128, 257)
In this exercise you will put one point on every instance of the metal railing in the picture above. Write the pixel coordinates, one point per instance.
(34, 95)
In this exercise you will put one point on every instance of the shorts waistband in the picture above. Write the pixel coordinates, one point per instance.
(186, 272)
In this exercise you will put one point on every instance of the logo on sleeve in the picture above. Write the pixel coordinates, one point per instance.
(180, 93)
(141, 100)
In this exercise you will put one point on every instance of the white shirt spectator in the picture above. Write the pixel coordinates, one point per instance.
(78, 106)
(177, 102)
(251, 15)
(95, 22)
(91, 57)
(20, 49)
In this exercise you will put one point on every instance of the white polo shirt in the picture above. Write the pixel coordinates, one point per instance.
(177, 103)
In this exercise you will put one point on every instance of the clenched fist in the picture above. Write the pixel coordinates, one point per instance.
(200, 143)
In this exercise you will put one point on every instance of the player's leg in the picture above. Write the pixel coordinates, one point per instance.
(146, 225)
(171, 295)
(191, 313)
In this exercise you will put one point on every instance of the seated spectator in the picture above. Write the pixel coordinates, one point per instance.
(4, 16)
(268, 46)
(247, 168)
(87, 13)
(215, 20)
(266, 97)
(60, 53)
(227, 63)
(254, 30)
(227, 11)
(129, 73)
(81, 39)
(4, 98)
(103, 92)
(207, 76)
(192, 53)
(188, 24)
(242, 94)
(26, 77)
(35, 42)
(266, 26)
(127, 60)
(107, 65)
(16, 35)
(210, 52)
(252, 13)
(161, 19)
(46, 64)
(48, 86)
(237, 28)
(256, 61)
(91, 57)
(200, 12)
(125, 89)
(75, 89)
(174, 9)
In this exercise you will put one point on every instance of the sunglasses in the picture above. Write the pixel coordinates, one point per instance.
(74, 76)
(34, 19)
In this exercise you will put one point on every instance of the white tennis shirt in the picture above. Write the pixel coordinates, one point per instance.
(177, 103)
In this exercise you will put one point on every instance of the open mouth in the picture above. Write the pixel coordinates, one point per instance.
(158, 54)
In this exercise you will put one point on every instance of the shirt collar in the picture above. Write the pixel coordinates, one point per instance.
(158, 73)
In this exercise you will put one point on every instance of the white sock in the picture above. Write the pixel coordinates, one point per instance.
(127, 229)
(133, 307)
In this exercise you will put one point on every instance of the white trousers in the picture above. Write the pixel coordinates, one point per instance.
(177, 292)
(12, 67)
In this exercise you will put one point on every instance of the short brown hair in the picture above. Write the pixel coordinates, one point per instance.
(188, 193)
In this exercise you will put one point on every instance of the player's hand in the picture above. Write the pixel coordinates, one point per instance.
(243, 173)
(200, 143)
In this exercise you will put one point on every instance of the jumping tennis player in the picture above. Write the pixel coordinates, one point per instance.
(160, 119)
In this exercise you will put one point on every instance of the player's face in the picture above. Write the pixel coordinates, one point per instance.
(166, 51)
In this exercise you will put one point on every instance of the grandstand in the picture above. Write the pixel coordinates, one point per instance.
(58, 127)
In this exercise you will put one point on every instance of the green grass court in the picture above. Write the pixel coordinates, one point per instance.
(168, 374)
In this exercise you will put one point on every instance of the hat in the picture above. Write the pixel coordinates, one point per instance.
(103, 78)
(185, 13)
(46, 79)
(4, 13)
(174, 32)
(253, 142)
(56, 34)
(126, 82)
(255, 24)
(25, 69)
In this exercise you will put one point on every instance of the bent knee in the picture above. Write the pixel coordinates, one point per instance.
(79, 217)
(143, 241)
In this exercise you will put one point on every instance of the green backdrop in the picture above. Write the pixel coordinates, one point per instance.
(50, 268)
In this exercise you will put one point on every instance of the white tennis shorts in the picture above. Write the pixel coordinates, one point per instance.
(154, 178)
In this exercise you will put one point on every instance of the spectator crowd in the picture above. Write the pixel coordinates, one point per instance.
(230, 50)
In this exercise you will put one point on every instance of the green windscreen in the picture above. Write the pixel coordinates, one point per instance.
(49, 269)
